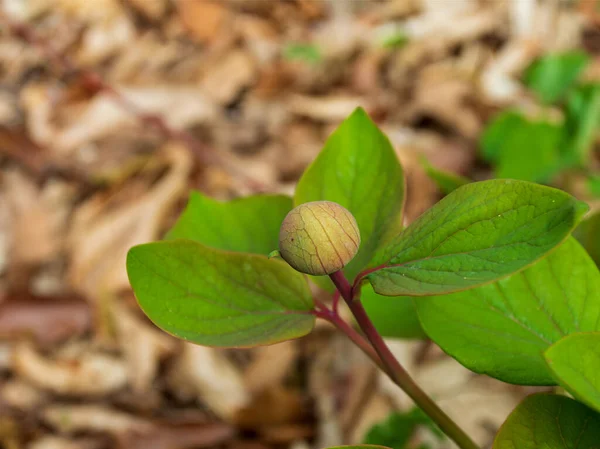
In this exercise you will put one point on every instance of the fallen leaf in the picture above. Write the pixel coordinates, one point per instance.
(38, 217)
(21, 395)
(102, 232)
(327, 109)
(48, 319)
(143, 346)
(91, 374)
(56, 442)
(152, 9)
(203, 18)
(227, 77)
(169, 436)
(270, 366)
(208, 376)
(93, 418)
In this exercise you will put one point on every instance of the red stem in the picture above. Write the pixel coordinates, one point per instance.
(395, 370)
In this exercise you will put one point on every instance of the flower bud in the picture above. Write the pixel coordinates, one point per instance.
(319, 238)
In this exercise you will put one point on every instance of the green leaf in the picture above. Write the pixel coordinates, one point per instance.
(248, 224)
(523, 149)
(575, 361)
(581, 124)
(546, 421)
(494, 134)
(359, 169)
(588, 234)
(397, 429)
(447, 182)
(218, 298)
(479, 233)
(551, 76)
(394, 319)
(593, 185)
(503, 329)
(302, 52)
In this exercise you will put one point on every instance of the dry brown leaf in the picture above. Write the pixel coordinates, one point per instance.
(373, 411)
(180, 106)
(228, 76)
(56, 442)
(208, 376)
(93, 418)
(91, 374)
(275, 406)
(47, 319)
(203, 18)
(270, 366)
(38, 217)
(143, 346)
(21, 395)
(178, 436)
(152, 9)
(328, 109)
(102, 232)
(105, 39)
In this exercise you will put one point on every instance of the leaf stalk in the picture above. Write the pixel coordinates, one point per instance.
(394, 369)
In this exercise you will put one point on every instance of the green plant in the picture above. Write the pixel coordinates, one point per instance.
(490, 272)
(559, 138)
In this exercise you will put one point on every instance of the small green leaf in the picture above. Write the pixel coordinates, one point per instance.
(588, 234)
(217, 298)
(248, 224)
(551, 76)
(504, 328)
(394, 319)
(396, 40)
(359, 169)
(575, 361)
(302, 52)
(546, 421)
(447, 182)
(494, 135)
(521, 148)
(397, 429)
(479, 233)
(581, 124)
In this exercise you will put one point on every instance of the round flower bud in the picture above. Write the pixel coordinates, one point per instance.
(319, 238)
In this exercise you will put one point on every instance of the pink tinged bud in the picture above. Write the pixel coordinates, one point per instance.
(319, 238)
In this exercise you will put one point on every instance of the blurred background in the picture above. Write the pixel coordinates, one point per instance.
(111, 111)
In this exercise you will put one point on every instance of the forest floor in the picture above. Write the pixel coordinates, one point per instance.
(112, 110)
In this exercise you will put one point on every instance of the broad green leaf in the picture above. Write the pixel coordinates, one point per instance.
(551, 76)
(358, 169)
(394, 319)
(397, 430)
(479, 233)
(546, 421)
(447, 182)
(588, 234)
(575, 361)
(523, 149)
(504, 328)
(581, 124)
(219, 298)
(248, 224)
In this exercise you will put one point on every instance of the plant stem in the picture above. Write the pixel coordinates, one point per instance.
(395, 370)
(334, 318)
